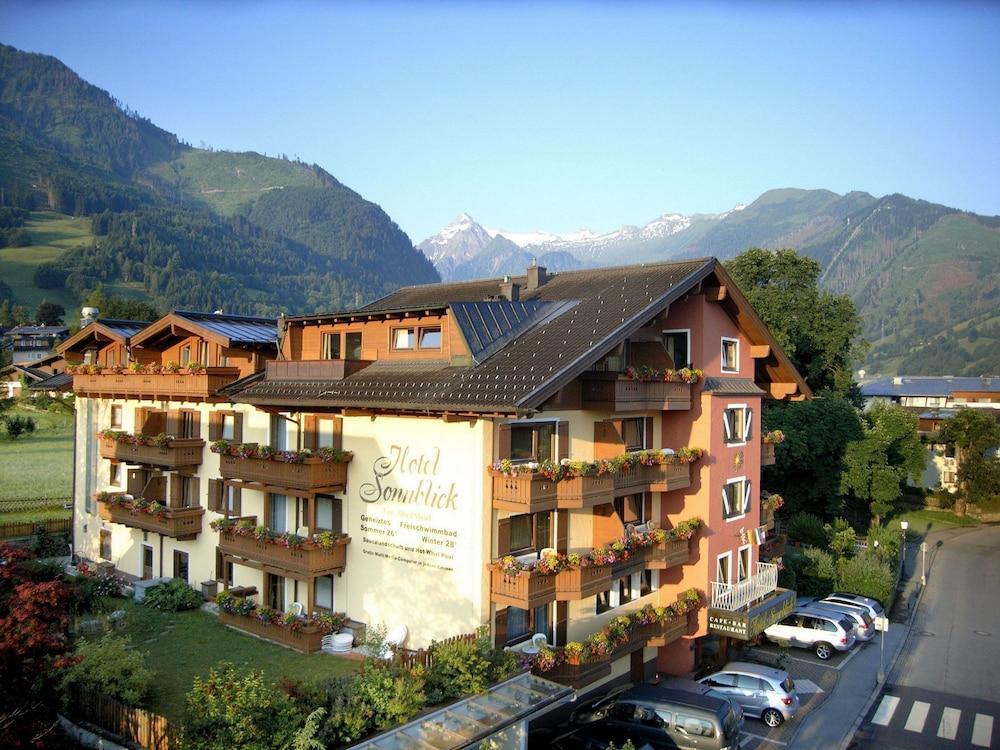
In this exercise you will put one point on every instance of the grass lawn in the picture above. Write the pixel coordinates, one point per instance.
(39, 464)
(925, 520)
(186, 645)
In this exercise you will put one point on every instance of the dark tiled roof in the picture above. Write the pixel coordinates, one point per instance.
(732, 387)
(943, 385)
(610, 304)
(239, 329)
(488, 326)
(38, 331)
(124, 328)
(32, 372)
(62, 381)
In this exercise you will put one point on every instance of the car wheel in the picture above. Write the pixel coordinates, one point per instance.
(772, 717)
(824, 651)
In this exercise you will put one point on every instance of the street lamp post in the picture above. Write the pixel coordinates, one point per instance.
(923, 563)
(904, 525)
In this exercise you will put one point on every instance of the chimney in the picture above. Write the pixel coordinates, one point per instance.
(509, 290)
(536, 275)
(88, 315)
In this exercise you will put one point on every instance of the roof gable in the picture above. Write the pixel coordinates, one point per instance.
(227, 330)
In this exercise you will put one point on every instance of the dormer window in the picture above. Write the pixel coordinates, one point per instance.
(430, 338)
(403, 338)
(730, 355)
(331, 346)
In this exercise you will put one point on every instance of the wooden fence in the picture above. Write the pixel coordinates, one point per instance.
(21, 529)
(21, 505)
(136, 725)
(424, 657)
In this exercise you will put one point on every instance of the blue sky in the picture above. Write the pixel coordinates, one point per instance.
(560, 116)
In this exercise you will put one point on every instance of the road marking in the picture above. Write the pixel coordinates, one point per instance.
(804, 687)
(883, 715)
(817, 662)
(949, 723)
(764, 739)
(982, 730)
(918, 715)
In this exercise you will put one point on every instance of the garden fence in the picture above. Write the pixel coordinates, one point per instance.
(23, 504)
(424, 657)
(135, 725)
(21, 529)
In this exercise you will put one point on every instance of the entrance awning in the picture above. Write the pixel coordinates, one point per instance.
(747, 624)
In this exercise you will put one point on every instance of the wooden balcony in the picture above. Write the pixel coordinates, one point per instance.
(663, 555)
(523, 493)
(306, 561)
(773, 547)
(176, 454)
(585, 492)
(526, 590)
(766, 454)
(663, 635)
(609, 391)
(579, 675)
(767, 518)
(635, 562)
(581, 583)
(162, 386)
(307, 639)
(659, 478)
(311, 474)
(178, 523)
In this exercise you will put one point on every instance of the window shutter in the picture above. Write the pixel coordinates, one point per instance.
(195, 424)
(237, 501)
(215, 495)
(647, 438)
(562, 616)
(139, 420)
(195, 492)
(214, 426)
(310, 432)
(746, 496)
(562, 432)
(725, 499)
(156, 488)
(136, 482)
(238, 428)
(503, 442)
(220, 565)
(647, 506)
(175, 490)
(608, 441)
(173, 423)
(746, 425)
(500, 628)
(727, 425)
(562, 531)
(503, 537)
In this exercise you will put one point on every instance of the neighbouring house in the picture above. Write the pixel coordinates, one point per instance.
(39, 373)
(528, 453)
(32, 343)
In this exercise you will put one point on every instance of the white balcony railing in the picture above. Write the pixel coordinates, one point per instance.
(736, 596)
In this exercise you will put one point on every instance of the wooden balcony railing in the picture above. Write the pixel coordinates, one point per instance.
(766, 454)
(663, 555)
(635, 562)
(608, 391)
(178, 523)
(200, 386)
(658, 478)
(308, 638)
(310, 474)
(525, 590)
(175, 454)
(523, 493)
(313, 560)
(767, 518)
(581, 583)
(773, 547)
(585, 492)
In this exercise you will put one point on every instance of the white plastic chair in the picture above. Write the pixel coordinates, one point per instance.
(546, 551)
(539, 641)
(296, 609)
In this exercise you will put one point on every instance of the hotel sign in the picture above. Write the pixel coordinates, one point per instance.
(748, 625)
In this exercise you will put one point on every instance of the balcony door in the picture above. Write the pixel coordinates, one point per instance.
(329, 514)
(275, 592)
(147, 562)
(284, 434)
(277, 513)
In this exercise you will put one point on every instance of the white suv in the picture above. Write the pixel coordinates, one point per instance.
(823, 633)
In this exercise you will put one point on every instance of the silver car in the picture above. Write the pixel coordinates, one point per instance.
(763, 692)
(864, 625)
(873, 606)
(824, 632)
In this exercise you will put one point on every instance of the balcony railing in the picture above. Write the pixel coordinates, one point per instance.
(736, 596)
(308, 638)
(767, 518)
(585, 492)
(310, 474)
(201, 386)
(767, 454)
(311, 560)
(581, 583)
(525, 590)
(773, 547)
(668, 554)
(657, 478)
(525, 492)
(175, 454)
(178, 523)
(608, 391)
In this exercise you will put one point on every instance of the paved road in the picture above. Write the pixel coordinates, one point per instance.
(943, 690)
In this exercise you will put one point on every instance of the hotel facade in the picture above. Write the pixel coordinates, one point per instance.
(521, 453)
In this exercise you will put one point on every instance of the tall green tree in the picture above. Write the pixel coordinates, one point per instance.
(49, 313)
(878, 464)
(975, 433)
(820, 331)
(121, 308)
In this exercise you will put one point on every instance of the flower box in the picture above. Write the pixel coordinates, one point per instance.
(669, 632)
(667, 554)
(635, 562)
(309, 474)
(525, 590)
(582, 582)
(524, 492)
(175, 454)
(585, 492)
(308, 638)
(178, 523)
(767, 454)
(579, 675)
(308, 560)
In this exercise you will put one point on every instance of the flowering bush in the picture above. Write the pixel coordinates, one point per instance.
(220, 446)
(170, 367)
(547, 565)
(567, 469)
(127, 438)
(648, 374)
(267, 453)
(195, 368)
(331, 622)
(135, 366)
(772, 502)
(245, 607)
(774, 437)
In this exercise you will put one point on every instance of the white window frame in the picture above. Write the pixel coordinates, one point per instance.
(722, 355)
(746, 548)
(729, 566)
(747, 492)
(747, 421)
(687, 332)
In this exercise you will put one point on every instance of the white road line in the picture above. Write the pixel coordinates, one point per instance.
(948, 727)
(764, 739)
(918, 715)
(982, 730)
(885, 710)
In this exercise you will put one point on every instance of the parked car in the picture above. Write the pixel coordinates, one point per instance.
(864, 625)
(693, 686)
(660, 717)
(821, 632)
(874, 606)
(764, 692)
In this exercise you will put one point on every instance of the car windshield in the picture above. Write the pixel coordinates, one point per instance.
(788, 685)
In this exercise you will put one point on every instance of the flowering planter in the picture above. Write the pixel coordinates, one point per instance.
(632, 479)
(661, 635)
(585, 492)
(308, 638)
(766, 454)
(667, 554)
(635, 562)
(179, 523)
(767, 518)
(667, 477)
(772, 548)
(307, 561)
(523, 492)
(525, 590)
(311, 474)
(580, 583)
(578, 675)
(610, 392)
(175, 386)
(176, 453)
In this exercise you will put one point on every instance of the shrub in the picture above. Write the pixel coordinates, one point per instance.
(235, 708)
(840, 538)
(111, 666)
(807, 529)
(173, 596)
(17, 426)
(464, 668)
(819, 574)
(44, 544)
(888, 542)
(868, 575)
(787, 578)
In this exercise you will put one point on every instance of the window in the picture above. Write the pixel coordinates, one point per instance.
(533, 442)
(189, 492)
(185, 355)
(694, 726)
(228, 426)
(530, 532)
(743, 563)
(190, 424)
(277, 518)
(231, 500)
(730, 355)
(326, 433)
(723, 568)
(631, 509)
(736, 423)
(111, 358)
(116, 477)
(223, 360)
(105, 544)
(430, 338)
(524, 623)
(634, 433)
(324, 593)
(678, 346)
(736, 498)
(402, 338)
(116, 416)
(331, 346)
(624, 590)
(352, 345)
(275, 591)
(181, 565)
